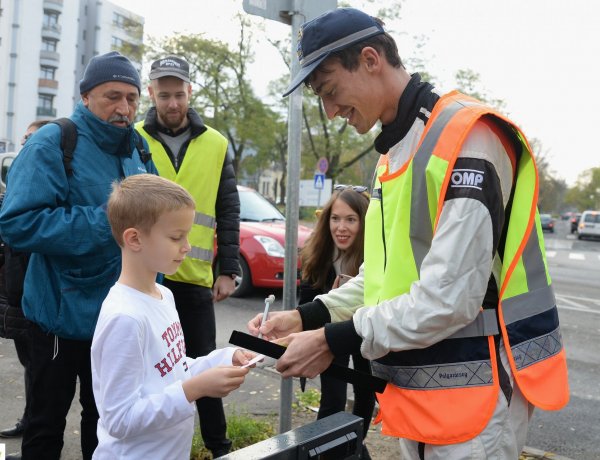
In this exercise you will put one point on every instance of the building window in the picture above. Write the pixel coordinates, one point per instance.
(45, 101)
(116, 43)
(133, 28)
(47, 72)
(49, 44)
(46, 105)
(51, 20)
(119, 20)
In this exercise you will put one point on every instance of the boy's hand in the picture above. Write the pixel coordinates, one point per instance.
(280, 324)
(241, 357)
(216, 382)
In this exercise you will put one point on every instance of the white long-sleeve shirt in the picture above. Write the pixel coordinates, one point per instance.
(138, 367)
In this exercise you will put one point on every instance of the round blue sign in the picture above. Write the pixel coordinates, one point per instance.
(322, 165)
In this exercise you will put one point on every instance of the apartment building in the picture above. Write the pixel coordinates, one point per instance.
(44, 48)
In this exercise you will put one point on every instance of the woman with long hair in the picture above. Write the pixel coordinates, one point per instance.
(333, 253)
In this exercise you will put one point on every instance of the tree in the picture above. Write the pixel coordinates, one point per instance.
(551, 191)
(586, 192)
(224, 95)
(467, 81)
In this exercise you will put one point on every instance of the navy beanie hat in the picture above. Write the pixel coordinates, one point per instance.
(111, 66)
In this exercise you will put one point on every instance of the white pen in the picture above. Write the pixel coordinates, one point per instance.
(268, 301)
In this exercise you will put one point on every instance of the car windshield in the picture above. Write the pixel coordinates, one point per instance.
(256, 208)
(592, 218)
(545, 217)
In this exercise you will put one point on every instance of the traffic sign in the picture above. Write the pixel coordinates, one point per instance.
(279, 10)
(323, 165)
(310, 196)
(319, 182)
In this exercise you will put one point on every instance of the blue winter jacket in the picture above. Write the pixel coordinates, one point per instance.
(62, 221)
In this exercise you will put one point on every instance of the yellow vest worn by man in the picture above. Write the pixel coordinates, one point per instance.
(199, 174)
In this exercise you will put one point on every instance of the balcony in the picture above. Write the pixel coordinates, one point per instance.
(45, 83)
(51, 31)
(53, 5)
(49, 57)
(46, 112)
(48, 86)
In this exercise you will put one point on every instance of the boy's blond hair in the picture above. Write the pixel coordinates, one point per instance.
(138, 201)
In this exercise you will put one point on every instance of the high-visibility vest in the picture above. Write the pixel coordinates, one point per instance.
(446, 393)
(199, 174)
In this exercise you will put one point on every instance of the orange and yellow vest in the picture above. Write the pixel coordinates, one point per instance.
(199, 174)
(446, 393)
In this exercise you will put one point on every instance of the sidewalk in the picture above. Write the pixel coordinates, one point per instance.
(258, 396)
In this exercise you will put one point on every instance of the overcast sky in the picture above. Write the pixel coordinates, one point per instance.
(539, 56)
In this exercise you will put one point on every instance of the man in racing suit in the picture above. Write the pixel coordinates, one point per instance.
(460, 264)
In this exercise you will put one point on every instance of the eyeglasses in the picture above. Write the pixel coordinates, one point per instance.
(356, 188)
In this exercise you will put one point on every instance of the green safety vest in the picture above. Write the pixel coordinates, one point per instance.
(447, 393)
(199, 174)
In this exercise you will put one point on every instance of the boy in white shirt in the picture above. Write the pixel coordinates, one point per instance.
(144, 384)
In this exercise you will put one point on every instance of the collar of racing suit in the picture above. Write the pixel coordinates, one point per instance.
(416, 96)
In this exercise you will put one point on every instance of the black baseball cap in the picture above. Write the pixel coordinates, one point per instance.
(332, 31)
(170, 66)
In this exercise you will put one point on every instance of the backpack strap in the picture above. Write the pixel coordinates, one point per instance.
(68, 142)
(145, 155)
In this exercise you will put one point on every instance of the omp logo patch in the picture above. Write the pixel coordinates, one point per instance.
(466, 178)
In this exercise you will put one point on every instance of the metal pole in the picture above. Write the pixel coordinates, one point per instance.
(291, 214)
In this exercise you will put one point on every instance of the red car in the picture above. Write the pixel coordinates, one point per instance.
(262, 243)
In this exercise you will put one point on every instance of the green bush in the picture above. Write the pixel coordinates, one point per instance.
(243, 431)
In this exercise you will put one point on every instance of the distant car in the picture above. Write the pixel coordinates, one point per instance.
(262, 243)
(589, 225)
(547, 223)
(575, 221)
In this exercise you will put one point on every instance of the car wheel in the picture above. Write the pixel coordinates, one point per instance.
(579, 237)
(243, 283)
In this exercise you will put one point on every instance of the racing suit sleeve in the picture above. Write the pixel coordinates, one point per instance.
(454, 274)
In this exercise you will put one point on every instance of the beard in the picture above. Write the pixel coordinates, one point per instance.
(172, 120)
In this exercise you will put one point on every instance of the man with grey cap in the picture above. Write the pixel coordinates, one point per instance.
(61, 220)
(195, 156)
(453, 304)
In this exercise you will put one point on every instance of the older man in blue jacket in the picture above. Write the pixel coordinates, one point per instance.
(59, 216)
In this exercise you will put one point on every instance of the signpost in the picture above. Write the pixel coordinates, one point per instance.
(294, 13)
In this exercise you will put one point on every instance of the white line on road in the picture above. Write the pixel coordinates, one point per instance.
(576, 256)
(584, 309)
(574, 303)
(550, 253)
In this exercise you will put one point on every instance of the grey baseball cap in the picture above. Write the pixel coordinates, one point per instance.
(170, 66)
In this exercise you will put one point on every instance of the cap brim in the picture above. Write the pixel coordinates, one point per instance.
(168, 73)
(303, 74)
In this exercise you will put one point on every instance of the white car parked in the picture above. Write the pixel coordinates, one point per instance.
(589, 225)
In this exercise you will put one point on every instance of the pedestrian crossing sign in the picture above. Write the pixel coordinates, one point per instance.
(319, 183)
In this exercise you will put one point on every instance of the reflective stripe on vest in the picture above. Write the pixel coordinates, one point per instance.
(460, 373)
(199, 174)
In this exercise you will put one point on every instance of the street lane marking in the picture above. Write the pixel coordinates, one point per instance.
(576, 256)
(550, 253)
(575, 303)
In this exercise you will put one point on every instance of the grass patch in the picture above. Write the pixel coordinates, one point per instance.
(243, 431)
(311, 398)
